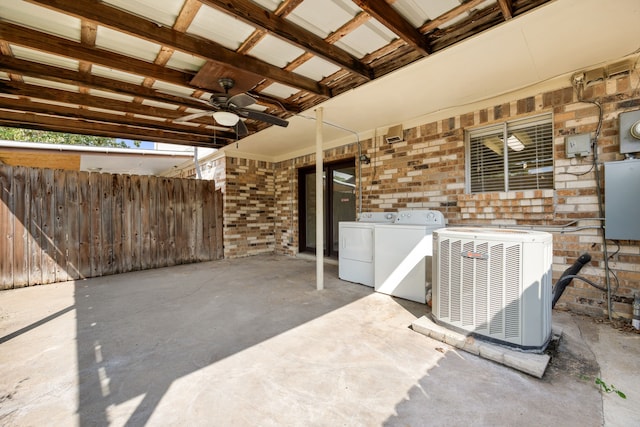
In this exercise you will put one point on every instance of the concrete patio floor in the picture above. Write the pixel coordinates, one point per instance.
(250, 342)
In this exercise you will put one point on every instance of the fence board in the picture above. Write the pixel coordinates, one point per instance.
(21, 232)
(144, 226)
(6, 227)
(35, 232)
(162, 233)
(48, 220)
(72, 216)
(117, 190)
(95, 200)
(127, 218)
(84, 226)
(62, 225)
(136, 233)
(106, 211)
(169, 195)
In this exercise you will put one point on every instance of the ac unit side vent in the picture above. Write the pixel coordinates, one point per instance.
(482, 286)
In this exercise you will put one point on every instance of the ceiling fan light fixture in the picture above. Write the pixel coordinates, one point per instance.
(225, 118)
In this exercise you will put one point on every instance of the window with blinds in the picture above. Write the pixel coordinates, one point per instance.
(515, 155)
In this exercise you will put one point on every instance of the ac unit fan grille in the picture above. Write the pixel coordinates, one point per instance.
(481, 294)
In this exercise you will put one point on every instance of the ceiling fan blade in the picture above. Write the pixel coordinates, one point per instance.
(241, 129)
(264, 117)
(193, 116)
(241, 100)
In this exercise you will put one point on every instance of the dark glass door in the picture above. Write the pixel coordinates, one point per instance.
(339, 195)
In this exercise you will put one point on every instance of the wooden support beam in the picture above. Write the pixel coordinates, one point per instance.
(69, 49)
(26, 105)
(84, 127)
(10, 64)
(506, 7)
(120, 20)
(391, 19)
(253, 14)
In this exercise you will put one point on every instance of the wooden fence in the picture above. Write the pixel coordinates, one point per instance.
(60, 225)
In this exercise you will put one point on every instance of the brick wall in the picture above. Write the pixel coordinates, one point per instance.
(427, 170)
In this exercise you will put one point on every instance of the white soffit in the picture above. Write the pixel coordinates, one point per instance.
(161, 11)
(275, 51)
(118, 42)
(40, 18)
(322, 17)
(224, 29)
(44, 58)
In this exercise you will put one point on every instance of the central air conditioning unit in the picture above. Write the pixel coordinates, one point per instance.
(494, 284)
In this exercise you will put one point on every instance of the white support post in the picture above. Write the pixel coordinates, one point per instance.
(319, 204)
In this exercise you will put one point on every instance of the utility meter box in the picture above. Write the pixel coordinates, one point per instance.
(622, 199)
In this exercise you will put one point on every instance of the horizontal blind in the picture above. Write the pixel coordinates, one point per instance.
(515, 155)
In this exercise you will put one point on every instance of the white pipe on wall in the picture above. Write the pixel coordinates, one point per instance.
(319, 204)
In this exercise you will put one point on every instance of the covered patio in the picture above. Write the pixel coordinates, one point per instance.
(251, 341)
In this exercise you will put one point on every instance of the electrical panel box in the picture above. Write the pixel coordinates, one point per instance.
(578, 145)
(622, 199)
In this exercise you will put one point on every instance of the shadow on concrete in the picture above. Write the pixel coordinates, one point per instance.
(139, 332)
(471, 391)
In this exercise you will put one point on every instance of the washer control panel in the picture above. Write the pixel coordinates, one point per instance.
(420, 217)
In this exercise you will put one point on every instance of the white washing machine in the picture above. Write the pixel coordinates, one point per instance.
(355, 254)
(402, 254)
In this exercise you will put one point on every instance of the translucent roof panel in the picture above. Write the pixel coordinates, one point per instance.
(419, 11)
(323, 17)
(40, 18)
(110, 73)
(185, 62)
(118, 42)
(366, 39)
(162, 11)
(50, 84)
(172, 89)
(279, 90)
(110, 95)
(270, 5)
(316, 69)
(44, 58)
(224, 29)
(275, 51)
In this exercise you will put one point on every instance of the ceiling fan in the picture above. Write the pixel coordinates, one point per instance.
(229, 110)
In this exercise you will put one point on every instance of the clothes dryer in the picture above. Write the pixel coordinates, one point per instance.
(355, 254)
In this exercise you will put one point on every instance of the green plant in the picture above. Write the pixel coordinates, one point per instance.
(609, 388)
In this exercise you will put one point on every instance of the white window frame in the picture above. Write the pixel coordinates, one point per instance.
(505, 128)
